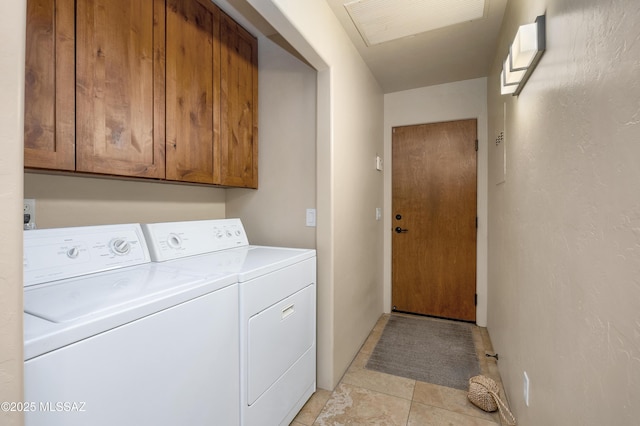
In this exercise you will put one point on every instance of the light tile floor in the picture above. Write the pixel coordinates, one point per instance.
(366, 397)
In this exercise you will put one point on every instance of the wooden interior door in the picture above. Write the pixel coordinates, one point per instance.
(434, 219)
(120, 87)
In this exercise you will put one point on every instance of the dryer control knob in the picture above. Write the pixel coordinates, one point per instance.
(120, 246)
(174, 241)
(73, 252)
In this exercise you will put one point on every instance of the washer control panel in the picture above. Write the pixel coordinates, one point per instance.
(175, 240)
(59, 253)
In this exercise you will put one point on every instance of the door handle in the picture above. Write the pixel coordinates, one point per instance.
(400, 230)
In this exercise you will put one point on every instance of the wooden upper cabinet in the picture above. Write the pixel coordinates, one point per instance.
(192, 97)
(237, 157)
(49, 124)
(164, 89)
(120, 87)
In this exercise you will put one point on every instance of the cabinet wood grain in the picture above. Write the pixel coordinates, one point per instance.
(49, 121)
(238, 152)
(193, 34)
(163, 89)
(120, 87)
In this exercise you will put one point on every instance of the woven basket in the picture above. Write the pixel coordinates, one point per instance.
(484, 394)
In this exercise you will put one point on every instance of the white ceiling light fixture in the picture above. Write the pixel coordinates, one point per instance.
(524, 54)
(379, 21)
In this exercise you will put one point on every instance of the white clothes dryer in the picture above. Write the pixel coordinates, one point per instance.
(113, 339)
(277, 288)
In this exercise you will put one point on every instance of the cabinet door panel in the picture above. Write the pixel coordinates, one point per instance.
(49, 119)
(238, 149)
(120, 87)
(192, 51)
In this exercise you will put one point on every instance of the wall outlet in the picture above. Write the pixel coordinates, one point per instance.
(29, 213)
(526, 389)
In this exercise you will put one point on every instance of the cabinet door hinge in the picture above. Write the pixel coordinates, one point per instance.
(476, 222)
(476, 144)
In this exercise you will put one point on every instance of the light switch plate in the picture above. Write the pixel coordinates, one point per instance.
(311, 217)
(378, 163)
(526, 389)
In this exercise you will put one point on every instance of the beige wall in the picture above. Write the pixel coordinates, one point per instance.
(444, 102)
(275, 214)
(349, 134)
(78, 201)
(564, 245)
(12, 28)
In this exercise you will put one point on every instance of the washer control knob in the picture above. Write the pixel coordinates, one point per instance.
(73, 253)
(174, 241)
(120, 246)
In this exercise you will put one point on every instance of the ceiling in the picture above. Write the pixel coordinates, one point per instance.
(458, 52)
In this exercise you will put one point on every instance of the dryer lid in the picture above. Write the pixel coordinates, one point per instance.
(261, 260)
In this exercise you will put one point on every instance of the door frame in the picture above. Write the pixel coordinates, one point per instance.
(468, 100)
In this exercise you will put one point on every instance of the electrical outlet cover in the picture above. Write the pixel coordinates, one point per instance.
(30, 210)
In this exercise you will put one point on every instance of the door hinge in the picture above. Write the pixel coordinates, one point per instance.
(476, 144)
(475, 299)
(476, 222)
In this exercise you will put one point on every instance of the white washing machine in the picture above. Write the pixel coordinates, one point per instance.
(277, 310)
(113, 339)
